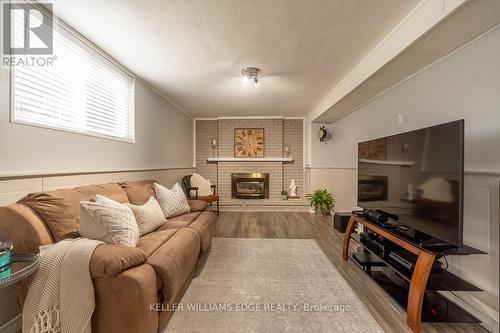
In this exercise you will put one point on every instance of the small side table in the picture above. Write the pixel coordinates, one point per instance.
(22, 266)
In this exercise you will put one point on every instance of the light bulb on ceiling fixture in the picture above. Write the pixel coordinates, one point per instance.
(250, 74)
(245, 80)
(256, 82)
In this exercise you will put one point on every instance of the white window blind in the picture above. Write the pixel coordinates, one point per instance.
(82, 92)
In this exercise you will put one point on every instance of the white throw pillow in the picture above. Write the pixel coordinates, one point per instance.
(172, 202)
(108, 221)
(149, 216)
(204, 185)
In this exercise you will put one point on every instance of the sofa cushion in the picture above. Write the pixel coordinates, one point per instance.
(175, 261)
(204, 185)
(180, 221)
(149, 216)
(138, 192)
(204, 225)
(109, 260)
(25, 227)
(59, 209)
(112, 191)
(197, 205)
(173, 201)
(153, 241)
(108, 221)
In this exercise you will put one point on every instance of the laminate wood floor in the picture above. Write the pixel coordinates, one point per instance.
(384, 309)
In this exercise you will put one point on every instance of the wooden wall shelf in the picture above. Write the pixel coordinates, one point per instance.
(396, 163)
(250, 159)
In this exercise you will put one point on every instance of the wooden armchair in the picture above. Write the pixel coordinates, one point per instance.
(210, 199)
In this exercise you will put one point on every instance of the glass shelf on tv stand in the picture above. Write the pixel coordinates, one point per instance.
(442, 249)
(439, 280)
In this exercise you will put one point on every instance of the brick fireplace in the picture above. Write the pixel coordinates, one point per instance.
(279, 132)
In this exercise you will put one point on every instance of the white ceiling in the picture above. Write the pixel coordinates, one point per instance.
(192, 51)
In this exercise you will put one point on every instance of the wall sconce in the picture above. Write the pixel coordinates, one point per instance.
(287, 150)
(213, 144)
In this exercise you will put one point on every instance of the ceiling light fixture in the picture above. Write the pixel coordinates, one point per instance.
(250, 74)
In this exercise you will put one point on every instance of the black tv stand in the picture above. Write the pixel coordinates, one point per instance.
(418, 275)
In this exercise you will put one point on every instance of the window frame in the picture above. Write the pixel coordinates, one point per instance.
(61, 25)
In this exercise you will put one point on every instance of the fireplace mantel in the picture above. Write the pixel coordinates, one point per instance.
(250, 159)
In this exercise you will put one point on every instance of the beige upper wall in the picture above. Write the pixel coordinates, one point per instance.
(465, 85)
(164, 139)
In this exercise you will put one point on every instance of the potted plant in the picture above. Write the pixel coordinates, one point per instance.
(284, 195)
(322, 201)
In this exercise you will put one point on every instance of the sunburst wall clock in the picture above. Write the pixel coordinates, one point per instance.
(248, 142)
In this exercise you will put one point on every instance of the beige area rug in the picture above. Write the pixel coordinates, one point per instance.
(270, 285)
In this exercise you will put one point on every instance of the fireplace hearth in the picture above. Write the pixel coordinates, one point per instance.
(250, 185)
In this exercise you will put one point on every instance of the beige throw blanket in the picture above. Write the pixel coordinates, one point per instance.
(61, 294)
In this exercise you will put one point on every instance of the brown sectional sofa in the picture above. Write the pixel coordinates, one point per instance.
(133, 286)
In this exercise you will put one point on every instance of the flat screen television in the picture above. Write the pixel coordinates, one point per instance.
(417, 176)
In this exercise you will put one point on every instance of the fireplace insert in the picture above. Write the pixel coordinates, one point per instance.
(250, 185)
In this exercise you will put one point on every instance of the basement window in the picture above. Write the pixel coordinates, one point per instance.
(84, 91)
